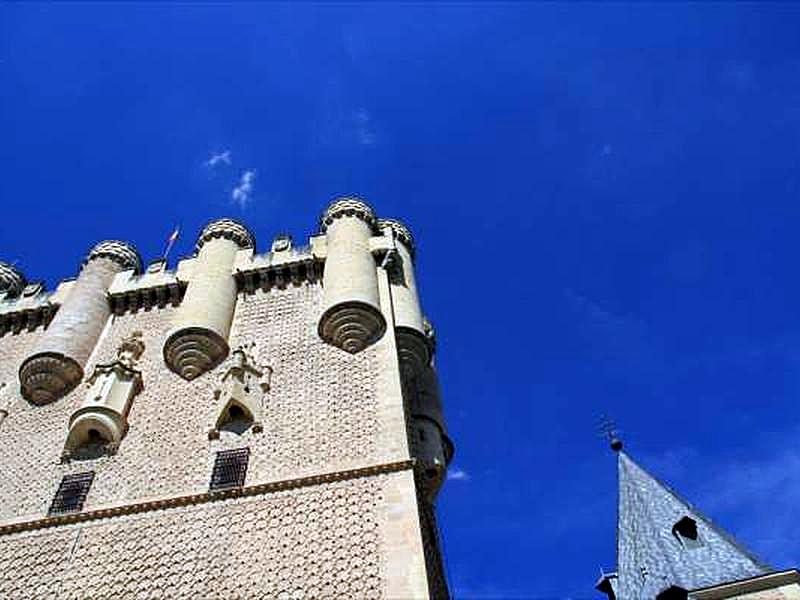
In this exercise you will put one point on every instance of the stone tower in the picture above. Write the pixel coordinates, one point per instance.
(668, 550)
(249, 425)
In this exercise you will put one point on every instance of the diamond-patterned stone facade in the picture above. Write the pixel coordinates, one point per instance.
(326, 411)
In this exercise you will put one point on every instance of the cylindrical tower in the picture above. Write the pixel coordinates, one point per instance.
(198, 341)
(12, 281)
(351, 318)
(432, 445)
(412, 344)
(56, 366)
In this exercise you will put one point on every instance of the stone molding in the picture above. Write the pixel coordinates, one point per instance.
(120, 252)
(401, 232)
(228, 229)
(205, 497)
(12, 280)
(193, 351)
(348, 206)
(352, 326)
(48, 376)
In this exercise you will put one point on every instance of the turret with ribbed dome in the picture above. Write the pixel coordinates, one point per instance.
(56, 366)
(198, 341)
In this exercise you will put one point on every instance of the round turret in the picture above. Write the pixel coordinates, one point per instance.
(198, 341)
(228, 229)
(12, 281)
(56, 365)
(123, 253)
(401, 232)
(348, 206)
(352, 317)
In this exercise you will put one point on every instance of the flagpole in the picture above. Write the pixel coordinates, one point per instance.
(171, 241)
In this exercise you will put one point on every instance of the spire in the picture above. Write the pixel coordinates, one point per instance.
(663, 542)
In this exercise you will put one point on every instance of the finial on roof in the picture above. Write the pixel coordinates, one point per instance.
(608, 428)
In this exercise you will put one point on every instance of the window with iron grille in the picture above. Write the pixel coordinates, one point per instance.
(230, 469)
(71, 493)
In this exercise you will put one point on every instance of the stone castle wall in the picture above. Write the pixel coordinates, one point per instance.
(327, 411)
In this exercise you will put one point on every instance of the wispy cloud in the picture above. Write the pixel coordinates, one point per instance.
(223, 158)
(243, 192)
(362, 127)
(458, 475)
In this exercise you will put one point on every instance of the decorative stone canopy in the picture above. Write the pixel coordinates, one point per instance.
(348, 206)
(12, 281)
(229, 229)
(120, 252)
(401, 232)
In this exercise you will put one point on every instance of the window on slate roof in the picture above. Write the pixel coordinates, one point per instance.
(685, 531)
(673, 592)
(71, 493)
(230, 469)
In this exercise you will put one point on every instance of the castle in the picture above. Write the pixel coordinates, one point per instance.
(248, 425)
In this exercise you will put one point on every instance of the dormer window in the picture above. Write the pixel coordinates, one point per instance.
(685, 531)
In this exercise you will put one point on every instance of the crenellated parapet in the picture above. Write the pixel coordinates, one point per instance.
(56, 365)
(198, 341)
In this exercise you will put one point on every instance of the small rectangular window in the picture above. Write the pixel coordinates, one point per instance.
(71, 493)
(230, 469)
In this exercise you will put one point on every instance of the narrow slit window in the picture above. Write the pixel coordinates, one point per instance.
(71, 493)
(230, 469)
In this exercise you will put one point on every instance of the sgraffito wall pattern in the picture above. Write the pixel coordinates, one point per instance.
(318, 542)
(320, 415)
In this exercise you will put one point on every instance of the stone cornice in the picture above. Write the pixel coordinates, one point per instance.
(203, 498)
(274, 270)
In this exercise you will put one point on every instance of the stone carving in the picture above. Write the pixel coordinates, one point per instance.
(101, 421)
(352, 319)
(12, 281)
(238, 397)
(56, 366)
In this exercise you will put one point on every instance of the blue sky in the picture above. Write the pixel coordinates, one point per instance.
(605, 199)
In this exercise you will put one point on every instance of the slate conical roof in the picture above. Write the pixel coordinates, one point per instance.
(652, 557)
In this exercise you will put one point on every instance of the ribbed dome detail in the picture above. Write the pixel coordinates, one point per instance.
(347, 206)
(401, 231)
(12, 281)
(228, 229)
(120, 252)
